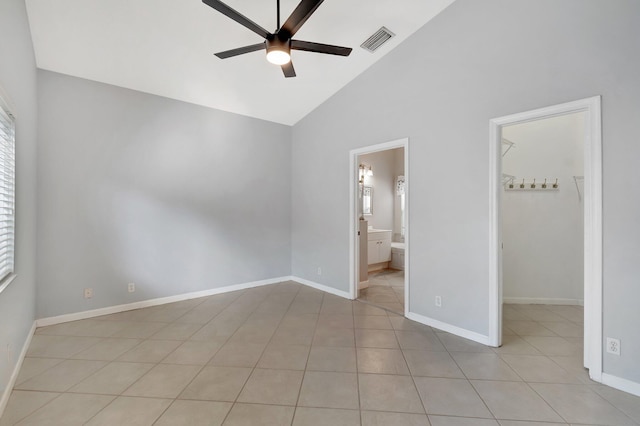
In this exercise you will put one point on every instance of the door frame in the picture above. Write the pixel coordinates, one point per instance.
(354, 250)
(592, 223)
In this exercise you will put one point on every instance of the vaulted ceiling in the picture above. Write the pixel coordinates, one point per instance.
(166, 47)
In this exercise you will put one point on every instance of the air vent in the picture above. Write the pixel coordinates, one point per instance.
(379, 38)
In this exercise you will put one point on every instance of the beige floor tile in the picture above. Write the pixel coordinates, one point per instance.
(384, 339)
(515, 401)
(43, 346)
(380, 418)
(523, 423)
(625, 402)
(23, 403)
(432, 364)
(68, 410)
(238, 354)
(461, 421)
(326, 416)
(426, 340)
(450, 397)
(565, 328)
(398, 322)
(194, 413)
(150, 351)
(176, 331)
(329, 390)
(200, 314)
(286, 357)
(277, 387)
(376, 322)
(458, 344)
(139, 330)
(389, 393)
(484, 366)
(381, 361)
(553, 345)
(367, 309)
(113, 379)
(293, 336)
(528, 328)
(86, 328)
(163, 381)
(535, 368)
(218, 328)
(516, 345)
(579, 404)
(31, 367)
(107, 349)
(130, 411)
(332, 358)
(167, 314)
(334, 337)
(335, 320)
(259, 415)
(62, 376)
(193, 353)
(254, 333)
(217, 384)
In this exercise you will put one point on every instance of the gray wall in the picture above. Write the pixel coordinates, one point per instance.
(477, 61)
(18, 79)
(171, 196)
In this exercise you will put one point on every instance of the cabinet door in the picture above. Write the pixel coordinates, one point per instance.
(372, 255)
(384, 250)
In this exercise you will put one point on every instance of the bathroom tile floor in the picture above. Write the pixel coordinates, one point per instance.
(286, 354)
(386, 289)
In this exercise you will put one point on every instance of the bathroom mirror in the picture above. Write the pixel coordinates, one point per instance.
(367, 200)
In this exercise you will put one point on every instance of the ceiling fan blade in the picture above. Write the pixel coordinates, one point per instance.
(237, 16)
(320, 48)
(299, 16)
(240, 51)
(288, 70)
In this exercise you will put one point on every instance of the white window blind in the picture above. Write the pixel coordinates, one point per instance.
(7, 191)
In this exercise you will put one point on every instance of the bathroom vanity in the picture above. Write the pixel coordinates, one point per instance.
(379, 249)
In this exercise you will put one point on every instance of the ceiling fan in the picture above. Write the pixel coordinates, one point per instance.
(278, 44)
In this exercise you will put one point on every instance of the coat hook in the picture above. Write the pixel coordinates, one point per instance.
(544, 185)
(522, 184)
(555, 185)
(533, 185)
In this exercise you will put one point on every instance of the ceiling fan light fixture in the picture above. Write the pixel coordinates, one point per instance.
(278, 51)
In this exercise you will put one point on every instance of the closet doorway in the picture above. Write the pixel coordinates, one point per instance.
(546, 239)
(379, 225)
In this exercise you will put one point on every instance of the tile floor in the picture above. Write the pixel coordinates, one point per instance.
(289, 355)
(386, 289)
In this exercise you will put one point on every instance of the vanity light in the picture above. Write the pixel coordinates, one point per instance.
(369, 172)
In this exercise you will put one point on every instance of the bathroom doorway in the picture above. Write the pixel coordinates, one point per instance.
(546, 238)
(379, 216)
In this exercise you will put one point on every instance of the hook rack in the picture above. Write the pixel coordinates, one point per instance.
(511, 183)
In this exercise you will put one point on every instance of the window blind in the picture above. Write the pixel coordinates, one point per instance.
(7, 191)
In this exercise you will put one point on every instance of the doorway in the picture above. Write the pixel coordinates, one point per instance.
(586, 187)
(379, 204)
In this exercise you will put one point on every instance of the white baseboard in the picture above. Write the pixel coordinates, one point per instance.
(471, 335)
(43, 322)
(621, 384)
(322, 287)
(542, 301)
(16, 370)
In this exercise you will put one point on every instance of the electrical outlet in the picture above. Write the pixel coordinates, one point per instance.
(131, 287)
(613, 346)
(88, 293)
(438, 301)
(319, 270)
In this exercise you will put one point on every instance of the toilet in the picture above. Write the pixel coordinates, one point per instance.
(397, 256)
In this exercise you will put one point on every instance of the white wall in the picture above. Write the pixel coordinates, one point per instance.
(18, 81)
(476, 61)
(137, 188)
(383, 181)
(543, 231)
